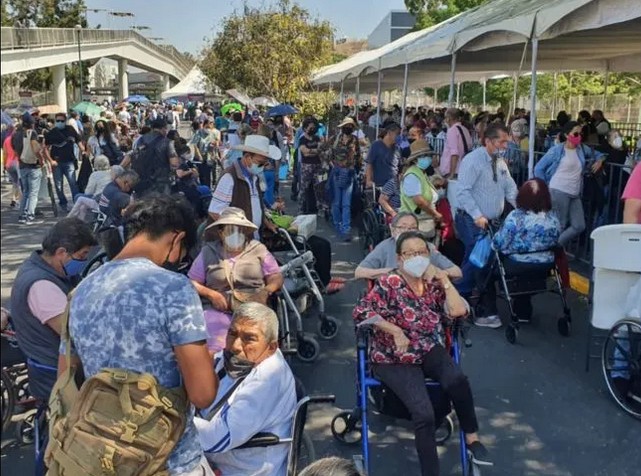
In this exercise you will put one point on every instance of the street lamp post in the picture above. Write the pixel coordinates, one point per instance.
(82, 86)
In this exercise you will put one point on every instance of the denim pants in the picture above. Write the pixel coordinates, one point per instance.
(68, 170)
(408, 383)
(342, 208)
(30, 180)
(468, 233)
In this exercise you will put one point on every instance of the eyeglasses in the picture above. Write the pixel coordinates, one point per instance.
(412, 254)
(61, 121)
(403, 229)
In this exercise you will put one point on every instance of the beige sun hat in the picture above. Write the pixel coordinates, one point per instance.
(259, 145)
(233, 216)
(419, 148)
(348, 121)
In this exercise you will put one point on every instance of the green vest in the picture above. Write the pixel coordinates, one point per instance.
(407, 203)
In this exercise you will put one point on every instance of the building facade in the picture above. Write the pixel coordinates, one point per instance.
(395, 24)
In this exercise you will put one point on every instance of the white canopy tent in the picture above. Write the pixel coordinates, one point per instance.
(494, 38)
(194, 83)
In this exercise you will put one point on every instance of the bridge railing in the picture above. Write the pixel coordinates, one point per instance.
(25, 38)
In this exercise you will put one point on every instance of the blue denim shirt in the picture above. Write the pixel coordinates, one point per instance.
(548, 165)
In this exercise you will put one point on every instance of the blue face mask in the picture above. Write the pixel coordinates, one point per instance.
(424, 163)
(74, 267)
(60, 125)
(255, 169)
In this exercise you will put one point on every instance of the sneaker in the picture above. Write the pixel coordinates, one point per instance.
(492, 322)
(63, 208)
(33, 221)
(346, 238)
(479, 454)
(22, 220)
(39, 213)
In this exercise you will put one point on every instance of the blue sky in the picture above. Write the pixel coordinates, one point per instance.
(186, 23)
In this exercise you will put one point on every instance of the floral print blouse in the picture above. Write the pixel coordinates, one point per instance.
(419, 317)
(526, 231)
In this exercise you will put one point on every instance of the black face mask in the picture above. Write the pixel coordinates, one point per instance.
(311, 131)
(347, 130)
(236, 367)
(411, 141)
(168, 265)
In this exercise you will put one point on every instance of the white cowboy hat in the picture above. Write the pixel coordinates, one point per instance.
(233, 216)
(259, 145)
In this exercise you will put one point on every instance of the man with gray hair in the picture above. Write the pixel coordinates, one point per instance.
(383, 258)
(257, 394)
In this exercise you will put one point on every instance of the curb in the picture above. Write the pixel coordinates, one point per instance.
(579, 283)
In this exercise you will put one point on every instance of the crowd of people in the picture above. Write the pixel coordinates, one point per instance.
(187, 296)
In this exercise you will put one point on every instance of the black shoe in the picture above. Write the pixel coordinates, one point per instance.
(479, 454)
(38, 213)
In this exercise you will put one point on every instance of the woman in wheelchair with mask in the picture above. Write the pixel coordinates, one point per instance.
(232, 268)
(527, 240)
(406, 308)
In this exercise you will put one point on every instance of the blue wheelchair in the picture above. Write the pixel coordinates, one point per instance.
(351, 426)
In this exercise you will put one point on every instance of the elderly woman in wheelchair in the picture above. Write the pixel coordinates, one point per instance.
(406, 309)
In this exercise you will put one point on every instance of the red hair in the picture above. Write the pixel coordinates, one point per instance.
(534, 195)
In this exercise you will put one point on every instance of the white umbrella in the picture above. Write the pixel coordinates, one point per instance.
(265, 101)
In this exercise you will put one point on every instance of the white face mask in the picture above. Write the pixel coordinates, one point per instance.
(416, 266)
(235, 240)
(617, 142)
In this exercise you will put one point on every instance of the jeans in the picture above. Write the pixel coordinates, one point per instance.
(468, 233)
(569, 209)
(30, 180)
(342, 208)
(65, 170)
(408, 383)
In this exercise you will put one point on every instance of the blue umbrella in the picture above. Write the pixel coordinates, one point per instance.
(137, 98)
(282, 110)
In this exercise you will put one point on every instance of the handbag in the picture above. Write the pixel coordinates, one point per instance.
(481, 251)
(426, 225)
(239, 297)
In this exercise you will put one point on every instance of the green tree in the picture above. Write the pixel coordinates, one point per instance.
(268, 51)
(433, 12)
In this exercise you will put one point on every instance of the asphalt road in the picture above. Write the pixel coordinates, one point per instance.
(540, 412)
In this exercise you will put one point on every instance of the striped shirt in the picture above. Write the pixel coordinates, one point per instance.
(478, 194)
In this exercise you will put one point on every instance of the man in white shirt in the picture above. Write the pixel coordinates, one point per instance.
(257, 394)
(124, 116)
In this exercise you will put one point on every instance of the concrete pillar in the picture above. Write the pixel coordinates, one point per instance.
(166, 83)
(59, 86)
(123, 79)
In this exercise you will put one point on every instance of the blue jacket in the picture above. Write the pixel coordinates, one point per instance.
(547, 166)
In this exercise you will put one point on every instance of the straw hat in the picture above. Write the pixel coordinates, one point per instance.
(348, 121)
(259, 145)
(233, 216)
(419, 148)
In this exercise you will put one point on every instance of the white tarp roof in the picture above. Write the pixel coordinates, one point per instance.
(194, 83)
(490, 39)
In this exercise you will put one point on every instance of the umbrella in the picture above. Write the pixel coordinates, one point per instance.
(87, 108)
(172, 101)
(282, 110)
(137, 98)
(50, 109)
(6, 118)
(232, 106)
(265, 101)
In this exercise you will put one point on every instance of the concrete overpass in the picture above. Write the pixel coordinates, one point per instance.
(27, 49)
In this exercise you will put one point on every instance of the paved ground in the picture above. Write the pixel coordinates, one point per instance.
(540, 412)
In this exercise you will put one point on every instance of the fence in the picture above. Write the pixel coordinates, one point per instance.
(24, 38)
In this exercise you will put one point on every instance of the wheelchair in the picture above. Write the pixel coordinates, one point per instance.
(301, 447)
(351, 426)
(615, 279)
(374, 225)
(301, 288)
(511, 286)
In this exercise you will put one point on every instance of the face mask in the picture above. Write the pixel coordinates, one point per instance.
(74, 267)
(235, 241)
(617, 142)
(168, 265)
(424, 163)
(574, 140)
(60, 125)
(435, 130)
(416, 266)
(348, 130)
(411, 141)
(236, 367)
(255, 169)
(311, 131)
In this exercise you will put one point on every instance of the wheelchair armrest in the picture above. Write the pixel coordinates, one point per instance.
(261, 439)
(322, 398)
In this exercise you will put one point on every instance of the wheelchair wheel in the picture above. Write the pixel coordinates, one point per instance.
(444, 432)
(511, 334)
(621, 365)
(327, 327)
(564, 326)
(347, 428)
(307, 349)
(26, 430)
(8, 399)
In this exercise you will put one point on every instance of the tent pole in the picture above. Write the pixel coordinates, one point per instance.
(407, 66)
(450, 99)
(535, 51)
(515, 80)
(484, 84)
(458, 94)
(357, 99)
(605, 86)
(556, 88)
(341, 98)
(378, 98)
